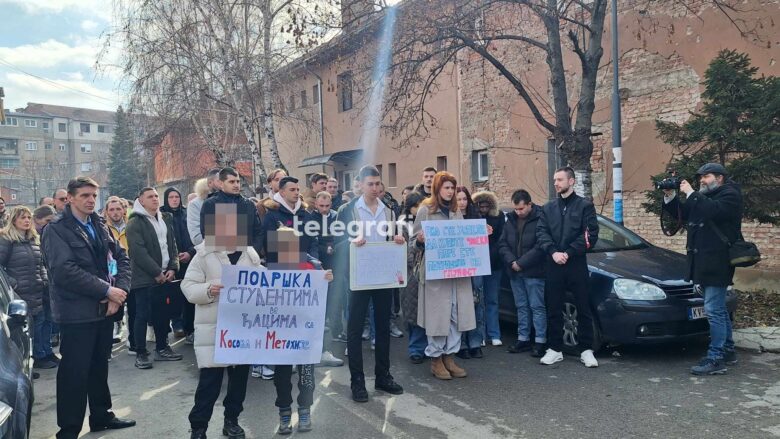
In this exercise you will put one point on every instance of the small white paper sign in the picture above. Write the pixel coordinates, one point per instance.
(376, 265)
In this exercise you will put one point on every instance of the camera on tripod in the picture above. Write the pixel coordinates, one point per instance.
(672, 182)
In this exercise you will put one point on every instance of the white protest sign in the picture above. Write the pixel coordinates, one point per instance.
(376, 265)
(270, 316)
(456, 248)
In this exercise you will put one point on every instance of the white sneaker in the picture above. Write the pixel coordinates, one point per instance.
(267, 374)
(395, 331)
(346, 352)
(551, 357)
(117, 332)
(329, 360)
(587, 358)
(257, 371)
(150, 335)
(496, 342)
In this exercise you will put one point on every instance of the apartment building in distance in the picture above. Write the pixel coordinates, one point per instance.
(43, 146)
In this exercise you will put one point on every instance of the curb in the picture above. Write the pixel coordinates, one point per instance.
(759, 339)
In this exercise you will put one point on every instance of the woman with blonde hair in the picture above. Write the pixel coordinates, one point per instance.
(20, 256)
(445, 306)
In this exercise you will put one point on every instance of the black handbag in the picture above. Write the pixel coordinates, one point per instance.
(741, 253)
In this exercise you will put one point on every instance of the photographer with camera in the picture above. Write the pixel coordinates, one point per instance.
(712, 213)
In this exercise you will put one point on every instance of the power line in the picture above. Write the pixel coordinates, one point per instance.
(56, 84)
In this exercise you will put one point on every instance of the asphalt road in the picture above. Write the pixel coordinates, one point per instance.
(638, 392)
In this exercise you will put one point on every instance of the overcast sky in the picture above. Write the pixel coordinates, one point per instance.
(48, 50)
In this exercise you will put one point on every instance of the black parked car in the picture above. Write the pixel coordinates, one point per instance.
(16, 385)
(637, 293)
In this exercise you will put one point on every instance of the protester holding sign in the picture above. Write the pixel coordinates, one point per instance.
(202, 285)
(446, 306)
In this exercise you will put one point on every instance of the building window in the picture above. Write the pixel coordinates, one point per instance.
(391, 175)
(379, 168)
(45, 125)
(315, 94)
(101, 128)
(9, 163)
(292, 103)
(13, 197)
(84, 127)
(61, 127)
(62, 147)
(30, 123)
(31, 146)
(344, 91)
(47, 145)
(304, 100)
(10, 121)
(441, 163)
(86, 148)
(86, 167)
(9, 147)
(479, 165)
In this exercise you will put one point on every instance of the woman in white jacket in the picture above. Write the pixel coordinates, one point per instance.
(202, 285)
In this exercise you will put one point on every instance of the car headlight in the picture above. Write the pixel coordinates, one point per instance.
(628, 289)
(5, 418)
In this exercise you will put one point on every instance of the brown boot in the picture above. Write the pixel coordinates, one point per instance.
(454, 370)
(438, 370)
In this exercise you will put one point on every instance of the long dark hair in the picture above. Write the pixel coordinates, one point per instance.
(413, 199)
(471, 210)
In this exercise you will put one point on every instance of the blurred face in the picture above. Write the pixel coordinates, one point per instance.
(286, 246)
(323, 205)
(83, 202)
(174, 200)
(562, 182)
(522, 209)
(427, 179)
(319, 185)
(150, 200)
(447, 191)
(290, 193)
(231, 185)
(23, 222)
(115, 212)
(60, 200)
(332, 187)
(225, 230)
(462, 200)
(275, 181)
(370, 187)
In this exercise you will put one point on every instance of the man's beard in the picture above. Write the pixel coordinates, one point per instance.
(705, 188)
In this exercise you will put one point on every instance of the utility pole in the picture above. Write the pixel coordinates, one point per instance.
(617, 150)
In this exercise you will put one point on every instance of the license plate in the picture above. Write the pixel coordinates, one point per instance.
(695, 313)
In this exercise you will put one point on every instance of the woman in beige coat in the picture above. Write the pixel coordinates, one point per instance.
(446, 306)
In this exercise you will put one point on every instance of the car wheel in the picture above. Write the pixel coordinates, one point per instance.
(571, 326)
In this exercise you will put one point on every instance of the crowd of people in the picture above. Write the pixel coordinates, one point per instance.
(154, 267)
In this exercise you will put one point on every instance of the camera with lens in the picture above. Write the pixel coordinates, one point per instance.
(672, 182)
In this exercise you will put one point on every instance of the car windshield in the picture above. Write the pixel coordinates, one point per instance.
(614, 237)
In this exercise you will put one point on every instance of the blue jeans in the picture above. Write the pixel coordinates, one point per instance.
(529, 301)
(474, 338)
(492, 285)
(720, 323)
(417, 340)
(41, 336)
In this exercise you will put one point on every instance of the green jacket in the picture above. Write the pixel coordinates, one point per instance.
(144, 250)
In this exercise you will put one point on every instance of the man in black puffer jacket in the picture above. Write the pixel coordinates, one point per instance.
(717, 206)
(183, 317)
(567, 229)
(76, 246)
(524, 261)
(487, 203)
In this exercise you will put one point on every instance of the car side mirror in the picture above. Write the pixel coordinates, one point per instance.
(17, 314)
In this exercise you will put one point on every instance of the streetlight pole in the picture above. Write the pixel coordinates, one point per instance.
(617, 150)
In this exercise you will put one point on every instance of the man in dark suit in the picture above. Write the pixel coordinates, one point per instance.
(84, 294)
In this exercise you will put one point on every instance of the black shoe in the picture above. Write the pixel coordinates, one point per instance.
(709, 366)
(53, 357)
(359, 392)
(198, 433)
(520, 346)
(539, 350)
(113, 424)
(341, 338)
(36, 375)
(463, 354)
(142, 361)
(476, 352)
(730, 358)
(232, 430)
(166, 354)
(387, 384)
(416, 358)
(44, 363)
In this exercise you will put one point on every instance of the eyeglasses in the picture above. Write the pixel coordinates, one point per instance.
(63, 199)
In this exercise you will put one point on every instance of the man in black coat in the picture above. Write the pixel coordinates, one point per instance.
(525, 263)
(567, 228)
(712, 214)
(183, 312)
(247, 211)
(83, 297)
